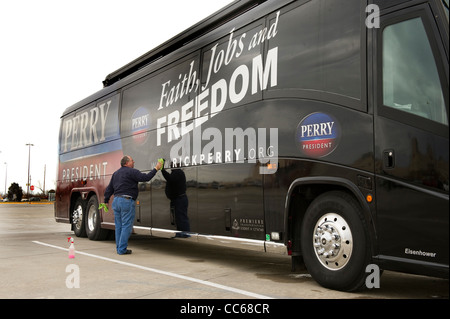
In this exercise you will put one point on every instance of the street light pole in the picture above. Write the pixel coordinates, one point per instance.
(28, 183)
(6, 176)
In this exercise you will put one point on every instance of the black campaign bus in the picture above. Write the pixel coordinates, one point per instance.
(314, 128)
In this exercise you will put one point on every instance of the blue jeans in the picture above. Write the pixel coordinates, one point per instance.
(124, 212)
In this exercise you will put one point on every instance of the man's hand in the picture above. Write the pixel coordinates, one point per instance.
(160, 164)
(103, 206)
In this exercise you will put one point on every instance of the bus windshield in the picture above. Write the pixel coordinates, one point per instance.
(445, 4)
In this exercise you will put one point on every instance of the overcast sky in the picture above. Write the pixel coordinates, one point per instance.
(54, 53)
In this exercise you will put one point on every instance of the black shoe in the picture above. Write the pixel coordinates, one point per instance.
(128, 252)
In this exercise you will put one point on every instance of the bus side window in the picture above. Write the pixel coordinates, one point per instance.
(410, 75)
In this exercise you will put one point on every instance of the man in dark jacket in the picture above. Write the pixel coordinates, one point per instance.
(124, 187)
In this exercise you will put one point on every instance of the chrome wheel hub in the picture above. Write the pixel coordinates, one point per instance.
(77, 217)
(333, 242)
(92, 214)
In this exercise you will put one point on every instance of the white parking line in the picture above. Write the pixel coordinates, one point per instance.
(166, 273)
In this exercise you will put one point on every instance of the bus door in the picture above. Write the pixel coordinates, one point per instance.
(411, 138)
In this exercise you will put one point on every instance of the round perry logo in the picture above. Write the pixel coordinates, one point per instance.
(140, 124)
(318, 135)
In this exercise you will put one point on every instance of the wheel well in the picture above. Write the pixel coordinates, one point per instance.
(300, 198)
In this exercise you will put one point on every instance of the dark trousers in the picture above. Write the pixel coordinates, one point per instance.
(180, 207)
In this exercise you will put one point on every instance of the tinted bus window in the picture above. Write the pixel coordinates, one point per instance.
(91, 126)
(161, 108)
(410, 76)
(227, 70)
(321, 48)
(164, 94)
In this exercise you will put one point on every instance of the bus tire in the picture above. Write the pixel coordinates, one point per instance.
(78, 217)
(93, 221)
(334, 242)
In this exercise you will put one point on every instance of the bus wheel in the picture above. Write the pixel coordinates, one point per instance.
(93, 221)
(78, 217)
(334, 243)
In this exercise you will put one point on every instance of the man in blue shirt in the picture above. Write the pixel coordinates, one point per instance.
(124, 187)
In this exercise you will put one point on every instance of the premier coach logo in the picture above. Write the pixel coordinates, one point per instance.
(318, 135)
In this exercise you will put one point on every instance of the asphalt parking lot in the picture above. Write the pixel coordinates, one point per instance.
(35, 265)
